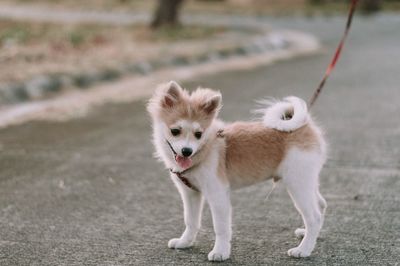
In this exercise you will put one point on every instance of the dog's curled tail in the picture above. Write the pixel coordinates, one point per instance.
(287, 115)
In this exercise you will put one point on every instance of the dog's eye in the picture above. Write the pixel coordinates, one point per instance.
(198, 134)
(175, 131)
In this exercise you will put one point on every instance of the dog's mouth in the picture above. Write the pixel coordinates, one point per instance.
(183, 162)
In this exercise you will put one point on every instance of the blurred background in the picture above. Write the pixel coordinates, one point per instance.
(84, 188)
(48, 46)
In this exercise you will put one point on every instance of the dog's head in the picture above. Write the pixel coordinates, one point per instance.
(182, 120)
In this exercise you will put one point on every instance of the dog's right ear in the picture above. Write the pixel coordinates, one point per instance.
(172, 94)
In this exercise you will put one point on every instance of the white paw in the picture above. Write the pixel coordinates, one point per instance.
(179, 243)
(300, 232)
(298, 253)
(219, 255)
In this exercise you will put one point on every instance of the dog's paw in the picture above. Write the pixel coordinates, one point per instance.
(300, 232)
(179, 243)
(219, 255)
(298, 253)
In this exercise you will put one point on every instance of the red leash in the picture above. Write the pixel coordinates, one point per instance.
(337, 54)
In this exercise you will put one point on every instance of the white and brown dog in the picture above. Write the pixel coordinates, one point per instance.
(208, 158)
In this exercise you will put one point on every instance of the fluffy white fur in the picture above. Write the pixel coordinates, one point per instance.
(298, 170)
(274, 113)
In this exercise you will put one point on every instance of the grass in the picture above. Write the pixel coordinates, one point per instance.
(24, 33)
(35, 48)
(78, 36)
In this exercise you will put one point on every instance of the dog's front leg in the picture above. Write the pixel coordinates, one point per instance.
(218, 197)
(192, 207)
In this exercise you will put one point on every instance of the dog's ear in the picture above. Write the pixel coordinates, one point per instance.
(213, 104)
(172, 94)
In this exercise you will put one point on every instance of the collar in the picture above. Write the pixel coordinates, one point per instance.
(183, 179)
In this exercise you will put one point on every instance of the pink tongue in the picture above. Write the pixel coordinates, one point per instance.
(183, 162)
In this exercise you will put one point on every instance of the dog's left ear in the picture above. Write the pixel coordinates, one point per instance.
(212, 104)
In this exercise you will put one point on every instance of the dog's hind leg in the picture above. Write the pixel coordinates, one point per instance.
(192, 206)
(300, 172)
(300, 232)
(306, 203)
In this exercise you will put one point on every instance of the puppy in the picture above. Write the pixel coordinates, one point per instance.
(207, 159)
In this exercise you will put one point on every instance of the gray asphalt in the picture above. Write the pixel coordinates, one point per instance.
(87, 192)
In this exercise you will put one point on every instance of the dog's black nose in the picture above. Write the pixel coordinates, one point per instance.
(186, 152)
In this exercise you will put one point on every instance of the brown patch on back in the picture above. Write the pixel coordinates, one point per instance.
(254, 152)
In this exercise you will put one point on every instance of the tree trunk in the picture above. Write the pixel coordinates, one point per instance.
(167, 13)
(371, 6)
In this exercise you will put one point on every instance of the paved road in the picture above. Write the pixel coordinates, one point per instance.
(87, 192)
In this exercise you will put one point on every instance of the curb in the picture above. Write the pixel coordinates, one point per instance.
(45, 85)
